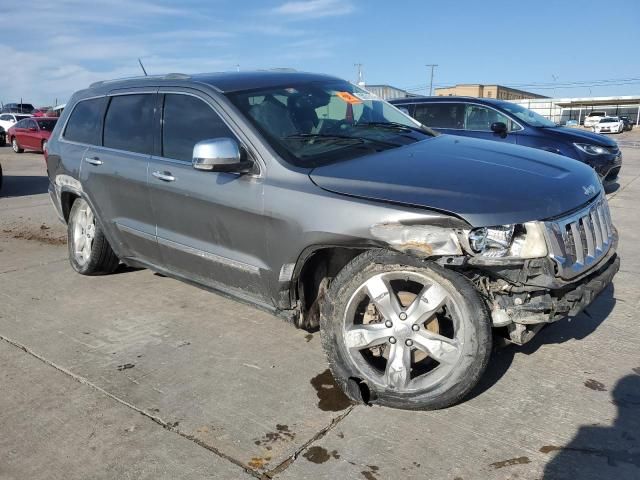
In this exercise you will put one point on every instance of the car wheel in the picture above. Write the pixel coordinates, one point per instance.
(89, 250)
(15, 146)
(404, 333)
(44, 146)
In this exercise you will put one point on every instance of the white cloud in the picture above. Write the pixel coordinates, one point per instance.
(314, 8)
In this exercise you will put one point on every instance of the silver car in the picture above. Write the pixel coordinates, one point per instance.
(309, 197)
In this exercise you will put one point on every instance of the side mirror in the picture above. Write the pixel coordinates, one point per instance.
(219, 155)
(499, 127)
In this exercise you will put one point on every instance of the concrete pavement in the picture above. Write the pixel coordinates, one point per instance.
(135, 375)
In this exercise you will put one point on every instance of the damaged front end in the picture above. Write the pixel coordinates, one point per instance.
(528, 274)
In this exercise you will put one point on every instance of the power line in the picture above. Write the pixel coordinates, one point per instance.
(550, 86)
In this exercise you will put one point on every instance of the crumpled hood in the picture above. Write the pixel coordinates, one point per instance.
(485, 183)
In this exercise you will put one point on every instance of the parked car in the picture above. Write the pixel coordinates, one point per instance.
(3, 137)
(593, 118)
(31, 134)
(7, 120)
(41, 111)
(628, 123)
(507, 122)
(17, 108)
(609, 125)
(307, 196)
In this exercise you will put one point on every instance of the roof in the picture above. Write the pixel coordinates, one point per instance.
(222, 81)
(434, 99)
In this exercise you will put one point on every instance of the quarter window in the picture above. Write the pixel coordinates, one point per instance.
(85, 120)
(128, 124)
(188, 120)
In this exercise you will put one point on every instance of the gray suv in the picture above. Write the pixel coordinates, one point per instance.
(308, 197)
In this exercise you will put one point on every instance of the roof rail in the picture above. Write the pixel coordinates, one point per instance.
(168, 76)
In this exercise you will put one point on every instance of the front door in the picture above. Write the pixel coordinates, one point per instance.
(114, 174)
(210, 225)
(466, 119)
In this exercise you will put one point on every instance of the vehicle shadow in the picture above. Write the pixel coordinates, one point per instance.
(598, 452)
(23, 185)
(612, 187)
(559, 332)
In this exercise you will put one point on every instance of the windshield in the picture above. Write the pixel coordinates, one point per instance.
(608, 120)
(528, 116)
(322, 122)
(596, 114)
(47, 125)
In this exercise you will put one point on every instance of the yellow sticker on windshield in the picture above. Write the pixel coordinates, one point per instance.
(349, 98)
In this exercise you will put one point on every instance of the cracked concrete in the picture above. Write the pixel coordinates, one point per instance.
(134, 375)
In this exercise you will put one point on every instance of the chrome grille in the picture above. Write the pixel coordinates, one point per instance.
(578, 241)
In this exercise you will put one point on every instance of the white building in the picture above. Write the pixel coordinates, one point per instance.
(559, 110)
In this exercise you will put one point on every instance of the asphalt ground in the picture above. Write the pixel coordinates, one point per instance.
(135, 375)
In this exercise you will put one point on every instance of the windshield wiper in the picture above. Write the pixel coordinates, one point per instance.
(339, 138)
(391, 126)
(322, 136)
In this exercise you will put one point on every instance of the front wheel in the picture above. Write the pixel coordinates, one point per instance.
(89, 250)
(407, 333)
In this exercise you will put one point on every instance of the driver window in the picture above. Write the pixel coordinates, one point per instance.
(188, 120)
(480, 118)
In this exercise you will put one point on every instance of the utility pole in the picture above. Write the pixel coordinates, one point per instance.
(433, 66)
(360, 79)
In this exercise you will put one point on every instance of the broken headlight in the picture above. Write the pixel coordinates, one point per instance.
(508, 241)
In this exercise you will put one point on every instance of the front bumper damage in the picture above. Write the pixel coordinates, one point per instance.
(523, 298)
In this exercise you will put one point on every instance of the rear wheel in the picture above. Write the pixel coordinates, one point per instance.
(16, 146)
(44, 146)
(407, 333)
(89, 250)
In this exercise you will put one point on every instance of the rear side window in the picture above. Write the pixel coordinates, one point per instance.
(84, 123)
(440, 115)
(186, 121)
(128, 124)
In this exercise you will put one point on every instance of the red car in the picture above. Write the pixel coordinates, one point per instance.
(41, 112)
(31, 134)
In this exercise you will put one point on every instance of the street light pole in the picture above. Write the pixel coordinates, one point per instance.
(433, 66)
(360, 79)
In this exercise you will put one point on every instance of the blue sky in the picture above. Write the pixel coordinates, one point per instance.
(49, 49)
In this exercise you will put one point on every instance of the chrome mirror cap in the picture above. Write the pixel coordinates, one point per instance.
(216, 154)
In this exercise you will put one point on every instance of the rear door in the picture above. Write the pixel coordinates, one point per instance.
(114, 173)
(21, 133)
(210, 225)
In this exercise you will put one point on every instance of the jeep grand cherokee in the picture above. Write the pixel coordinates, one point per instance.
(309, 197)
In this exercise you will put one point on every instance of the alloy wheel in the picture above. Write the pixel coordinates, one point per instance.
(403, 331)
(83, 234)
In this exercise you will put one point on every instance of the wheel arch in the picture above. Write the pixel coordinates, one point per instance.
(314, 269)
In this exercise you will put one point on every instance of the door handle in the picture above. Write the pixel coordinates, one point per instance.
(93, 160)
(164, 176)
